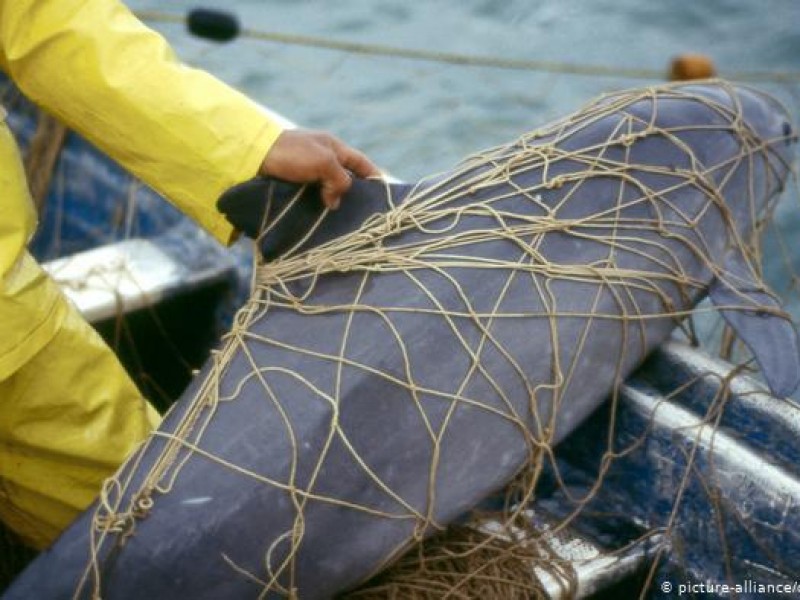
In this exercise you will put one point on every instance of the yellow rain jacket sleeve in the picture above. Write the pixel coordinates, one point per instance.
(96, 67)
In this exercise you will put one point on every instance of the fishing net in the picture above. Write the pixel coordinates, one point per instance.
(410, 368)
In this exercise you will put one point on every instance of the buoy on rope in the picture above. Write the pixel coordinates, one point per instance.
(691, 66)
(212, 24)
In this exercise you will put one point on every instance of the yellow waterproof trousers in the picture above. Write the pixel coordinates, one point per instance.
(68, 418)
(69, 414)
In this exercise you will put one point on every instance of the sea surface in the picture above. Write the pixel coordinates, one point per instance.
(415, 118)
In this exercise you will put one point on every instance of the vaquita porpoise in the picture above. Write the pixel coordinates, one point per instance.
(403, 357)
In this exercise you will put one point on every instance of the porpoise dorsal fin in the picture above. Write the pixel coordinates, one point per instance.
(270, 211)
(760, 322)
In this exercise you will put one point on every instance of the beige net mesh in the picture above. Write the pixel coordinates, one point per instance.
(627, 268)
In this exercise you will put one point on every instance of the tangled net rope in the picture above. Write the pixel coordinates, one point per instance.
(541, 272)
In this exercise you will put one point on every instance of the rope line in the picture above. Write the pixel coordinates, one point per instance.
(469, 60)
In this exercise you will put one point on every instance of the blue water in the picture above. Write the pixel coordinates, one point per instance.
(414, 118)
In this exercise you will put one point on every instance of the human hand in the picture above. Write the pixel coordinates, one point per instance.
(302, 156)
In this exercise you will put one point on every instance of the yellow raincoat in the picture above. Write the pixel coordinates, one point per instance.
(69, 414)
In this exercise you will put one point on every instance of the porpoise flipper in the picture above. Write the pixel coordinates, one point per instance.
(265, 209)
(760, 322)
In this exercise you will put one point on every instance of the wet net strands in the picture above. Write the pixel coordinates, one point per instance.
(632, 263)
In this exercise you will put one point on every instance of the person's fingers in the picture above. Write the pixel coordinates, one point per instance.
(303, 156)
(355, 161)
(334, 182)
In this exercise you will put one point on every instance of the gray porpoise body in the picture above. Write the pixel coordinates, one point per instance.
(213, 517)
